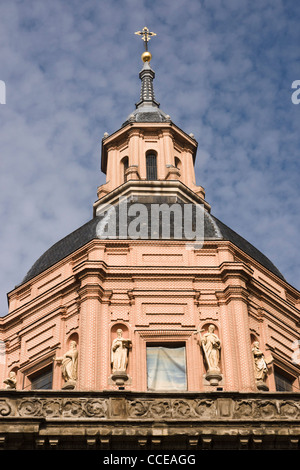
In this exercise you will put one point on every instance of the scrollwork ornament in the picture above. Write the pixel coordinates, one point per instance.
(267, 409)
(5, 408)
(160, 408)
(96, 408)
(52, 408)
(205, 408)
(181, 409)
(72, 408)
(243, 409)
(30, 407)
(289, 410)
(138, 408)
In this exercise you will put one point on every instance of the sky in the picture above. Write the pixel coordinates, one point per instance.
(223, 70)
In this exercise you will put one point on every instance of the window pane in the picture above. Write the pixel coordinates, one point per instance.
(283, 384)
(151, 167)
(166, 368)
(43, 381)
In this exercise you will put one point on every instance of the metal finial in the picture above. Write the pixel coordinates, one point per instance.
(146, 36)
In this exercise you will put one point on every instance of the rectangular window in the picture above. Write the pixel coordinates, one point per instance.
(283, 383)
(42, 380)
(166, 367)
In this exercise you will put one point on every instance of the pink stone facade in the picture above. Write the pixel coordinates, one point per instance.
(156, 291)
(88, 296)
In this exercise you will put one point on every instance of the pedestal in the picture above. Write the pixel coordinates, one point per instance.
(260, 384)
(119, 378)
(213, 377)
(69, 385)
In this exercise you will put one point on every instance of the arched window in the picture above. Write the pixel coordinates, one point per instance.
(125, 164)
(151, 166)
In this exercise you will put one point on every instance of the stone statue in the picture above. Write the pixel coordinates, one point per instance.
(260, 366)
(69, 365)
(211, 346)
(11, 381)
(119, 353)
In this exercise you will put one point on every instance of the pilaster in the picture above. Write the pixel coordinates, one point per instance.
(234, 320)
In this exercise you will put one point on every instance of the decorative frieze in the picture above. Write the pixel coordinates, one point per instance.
(213, 407)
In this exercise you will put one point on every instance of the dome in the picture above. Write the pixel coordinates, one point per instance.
(214, 229)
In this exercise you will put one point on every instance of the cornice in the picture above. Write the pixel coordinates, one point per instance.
(146, 187)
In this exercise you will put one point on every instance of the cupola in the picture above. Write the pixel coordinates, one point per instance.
(149, 152)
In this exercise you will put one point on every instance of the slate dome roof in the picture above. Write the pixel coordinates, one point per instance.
(214, 229)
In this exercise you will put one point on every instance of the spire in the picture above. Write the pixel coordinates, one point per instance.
(146, 75)
(147, 108)
(147, 92)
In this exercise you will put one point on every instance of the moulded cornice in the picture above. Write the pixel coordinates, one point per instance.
(146, 187)
(91, 291)
(233, 269)
(231, 293)
(90, 268)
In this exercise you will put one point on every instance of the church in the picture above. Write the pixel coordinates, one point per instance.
(154, 325)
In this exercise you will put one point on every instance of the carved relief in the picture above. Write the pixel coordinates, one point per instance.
(30, 407)
(243, 409)
(51, 408)
(173, 409)
(159, 409)
(95, 408)
(137, 408)
(205, 408)
(5, 408)
(289, 409)
(266, 409)
(182, 409)
(71, 408)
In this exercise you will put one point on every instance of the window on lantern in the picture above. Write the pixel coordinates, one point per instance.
(166, 367)
(125, 164)
(42, 380)
(151, 166)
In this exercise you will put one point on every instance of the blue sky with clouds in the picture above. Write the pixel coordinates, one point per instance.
(224, 70)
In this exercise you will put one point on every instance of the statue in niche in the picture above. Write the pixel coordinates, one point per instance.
(69, 365)
(119, 353)
(260, 366)
(211, 346)
(11, 381)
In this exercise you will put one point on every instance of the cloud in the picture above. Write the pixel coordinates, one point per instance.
(224, 71)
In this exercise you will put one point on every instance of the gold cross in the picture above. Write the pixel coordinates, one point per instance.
(146, 36)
